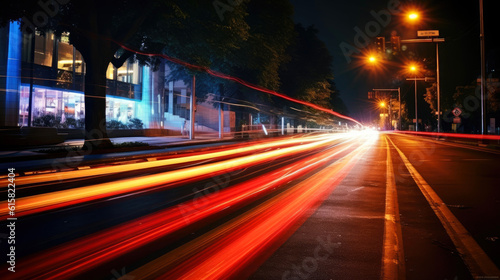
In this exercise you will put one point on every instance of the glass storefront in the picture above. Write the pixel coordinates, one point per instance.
(68, 107)
(57, 90)
(120, 110)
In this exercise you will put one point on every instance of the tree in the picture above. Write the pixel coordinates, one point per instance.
(256, 60)
(308, 75)
(111, 32)
(336, 102)
(466, 98)
(430, 97)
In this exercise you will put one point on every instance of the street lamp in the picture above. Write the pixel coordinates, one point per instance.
(383, 115)
(412, 16)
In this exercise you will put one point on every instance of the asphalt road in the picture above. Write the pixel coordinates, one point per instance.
(466, 179)
(341, 206)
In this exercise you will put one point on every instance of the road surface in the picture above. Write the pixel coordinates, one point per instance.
(359, 205)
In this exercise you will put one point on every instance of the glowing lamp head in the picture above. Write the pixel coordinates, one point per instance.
(412, 16)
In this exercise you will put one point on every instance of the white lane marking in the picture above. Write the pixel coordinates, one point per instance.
(356, 189)
(393, 261)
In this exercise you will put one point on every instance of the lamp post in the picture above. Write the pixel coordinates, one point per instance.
(413, 69)
(483, 69)
(382, 114)
(437, 41)
(399, 100)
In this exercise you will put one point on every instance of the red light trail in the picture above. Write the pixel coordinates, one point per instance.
(87, 253)
(240, 81)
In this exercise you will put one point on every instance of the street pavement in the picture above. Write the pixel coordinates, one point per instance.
(349, 225)
(354, 206)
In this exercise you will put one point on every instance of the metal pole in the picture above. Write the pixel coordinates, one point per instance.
(32, 73)
(221, 121)
(438, 89)
(399, 117)
(390, 113)
(483, 69)
(416, 114)
(192, 102)
(282, 125)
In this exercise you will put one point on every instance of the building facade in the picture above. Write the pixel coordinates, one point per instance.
(42, 79)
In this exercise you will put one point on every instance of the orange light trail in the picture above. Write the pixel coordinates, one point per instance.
(58, 199)
(242, 244)
(48, 177)
(76, 257)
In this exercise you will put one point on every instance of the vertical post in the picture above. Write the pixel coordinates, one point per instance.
(400, 127)
(221, 121)
(438, 89)
(171, 97)
(192, 101)
(390, 111)
(221, 111)
(416, 108)
(282, 125)
(483, 69)
(250, 121)
(32, 73)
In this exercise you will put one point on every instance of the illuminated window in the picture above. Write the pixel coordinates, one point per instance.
(110, 73)
(135, 73)
(123, 73)
(78, 62)
(23, 105)
(65, 54)
(129, 73)
(44, 48)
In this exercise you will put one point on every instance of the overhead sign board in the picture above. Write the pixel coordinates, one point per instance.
(428, 33)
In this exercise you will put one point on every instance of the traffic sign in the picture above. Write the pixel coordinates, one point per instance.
(428, 33)
(457, 112)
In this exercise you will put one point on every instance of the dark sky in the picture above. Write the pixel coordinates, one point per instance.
(457, 22)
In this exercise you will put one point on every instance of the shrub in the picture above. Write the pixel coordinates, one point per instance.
(135, 124)
(48, 120)
(114, 124)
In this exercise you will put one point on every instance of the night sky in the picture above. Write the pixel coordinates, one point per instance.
(458, 23)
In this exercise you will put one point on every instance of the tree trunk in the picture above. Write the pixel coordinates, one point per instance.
(96, 136)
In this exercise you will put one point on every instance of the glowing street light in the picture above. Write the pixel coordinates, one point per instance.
(412, 16)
